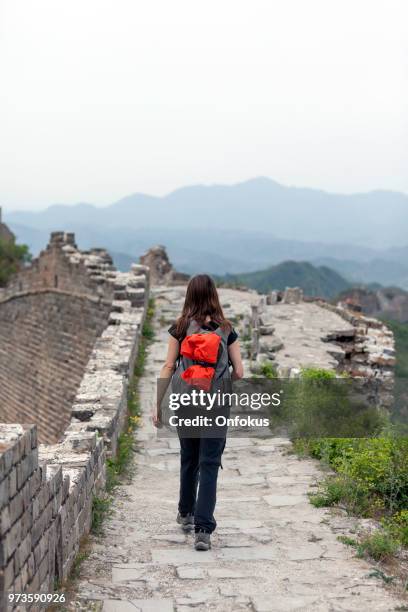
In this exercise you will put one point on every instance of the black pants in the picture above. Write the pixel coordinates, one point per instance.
(200, 459)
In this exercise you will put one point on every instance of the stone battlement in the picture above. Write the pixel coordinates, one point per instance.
(51, 314)
(62, 267)
(161, 269)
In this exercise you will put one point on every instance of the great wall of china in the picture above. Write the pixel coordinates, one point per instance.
(70, 326)
(69, 331)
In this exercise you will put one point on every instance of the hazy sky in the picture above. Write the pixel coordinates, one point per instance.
(102, 98)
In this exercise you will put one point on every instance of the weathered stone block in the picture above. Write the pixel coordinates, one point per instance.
(16, 507)
(8, 574)
(10, 542)
(5, 522)
(4, 493)
(24, 550)
(292, 295)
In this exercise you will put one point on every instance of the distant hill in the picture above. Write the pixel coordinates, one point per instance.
(258, 205)
(377, 270)
(242, 228)
(315, 281)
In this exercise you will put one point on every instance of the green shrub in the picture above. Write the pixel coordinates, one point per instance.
(330, 493)
(371, 480)
(377, 467)
(101, 508)
(12, 257)
(268, 370)
(343, 491)
(317, 374)
(348, 541)
(320, 404)
(397, 526)
(379, 545)
(371, 475)
(147, 331)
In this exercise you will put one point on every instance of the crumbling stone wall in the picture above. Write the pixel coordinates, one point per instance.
(46, 490)
(161, 269)
(293, 333)
(389, 302)
(50, 316)
(61, 266)
(367, 354)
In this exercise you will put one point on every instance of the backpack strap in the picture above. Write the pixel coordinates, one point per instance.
(192, 328)
(224, 334)
(224, 337)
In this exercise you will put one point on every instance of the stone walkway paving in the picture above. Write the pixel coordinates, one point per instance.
(272, 550)
(301, 328)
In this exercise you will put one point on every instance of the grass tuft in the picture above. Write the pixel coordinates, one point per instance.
(347, 541)
(268, 370)
(379, 545)
(101, 508)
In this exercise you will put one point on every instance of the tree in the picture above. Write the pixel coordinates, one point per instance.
(12, 258)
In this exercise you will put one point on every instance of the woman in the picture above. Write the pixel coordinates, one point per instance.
(200, 457)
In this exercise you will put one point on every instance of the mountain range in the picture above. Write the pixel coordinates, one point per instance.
(241, 228)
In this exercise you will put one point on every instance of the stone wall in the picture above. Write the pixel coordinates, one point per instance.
(51, 314)
(45, 341)
(46, 490)
(388, 302)
(161, 269)
(45, 509)
(368, 353)
(61, 266)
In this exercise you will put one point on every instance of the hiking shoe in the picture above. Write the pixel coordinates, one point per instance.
(202, 540)
(186, 521)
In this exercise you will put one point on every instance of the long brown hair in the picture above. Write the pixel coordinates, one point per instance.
(201, 301)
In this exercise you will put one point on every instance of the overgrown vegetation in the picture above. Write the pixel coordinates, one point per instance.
(370, 480)
(12, 257)
(320, 404)
(268, 370)
(79, 559)
(117, 466)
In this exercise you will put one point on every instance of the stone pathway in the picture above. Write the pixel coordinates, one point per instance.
(272, 551)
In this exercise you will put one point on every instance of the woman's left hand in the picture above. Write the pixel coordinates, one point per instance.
(156, 418)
